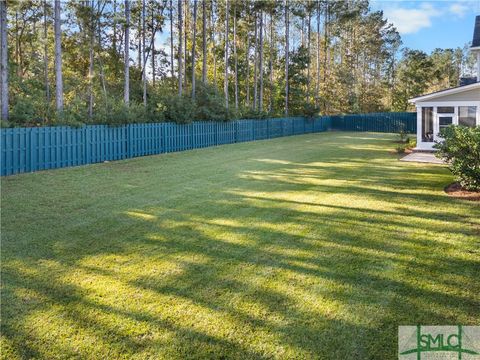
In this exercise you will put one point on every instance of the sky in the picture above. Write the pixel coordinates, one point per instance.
(426, 25)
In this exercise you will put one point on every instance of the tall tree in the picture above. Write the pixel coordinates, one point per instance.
(247, 61)
(90, 67)
(185, 37)
(272, 42)
(212, 26)
(126, 92)
(144, 58)
(287, 49)
(255, 63)
(235, 52)
(4, 59)
(114, 25)
(204, 42)
(309, 18)
(317, 83)
(226, 52)
(260, 63)
(194, 40)
(172, 71)
(45, 52)
(58, 58)
(326, 51)
(180, 21)
(152, 42)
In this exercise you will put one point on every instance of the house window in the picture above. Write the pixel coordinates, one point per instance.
(445, 110)
(445, 121)
(427, 124)
(467, 116)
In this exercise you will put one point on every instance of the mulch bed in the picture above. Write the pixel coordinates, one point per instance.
(455, 190)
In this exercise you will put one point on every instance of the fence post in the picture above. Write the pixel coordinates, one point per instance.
(33, 146)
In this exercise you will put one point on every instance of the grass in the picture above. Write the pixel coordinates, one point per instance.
(314, 246)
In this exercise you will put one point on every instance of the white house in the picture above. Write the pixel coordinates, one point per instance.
(457, 106)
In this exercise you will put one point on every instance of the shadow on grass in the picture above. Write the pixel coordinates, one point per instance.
(253, 269)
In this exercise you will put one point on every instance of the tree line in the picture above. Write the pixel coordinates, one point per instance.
(117, 61)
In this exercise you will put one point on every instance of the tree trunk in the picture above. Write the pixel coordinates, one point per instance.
(204, 45)
(272, 41)
(126, 92)
(17, 46)
(139, 36)
(317, 84)
(58, 59)
(4, 59)
(260, 64)
(90, 67)
(45, 52)
(212, 20)
(287, 35)
(247, 61)
(226, 53)
(255, 65)
(185, 37)
(309, 19)
(114, 40)
(235, 53)
(325, 54)
(194, 36)
(152, 24)
(302, 27)
(180, 30)
(144, 59)
(172, 70)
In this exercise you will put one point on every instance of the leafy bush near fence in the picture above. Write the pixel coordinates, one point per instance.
(461, 149)
(208, 105)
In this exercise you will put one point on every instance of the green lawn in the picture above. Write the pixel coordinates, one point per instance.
(313, 246)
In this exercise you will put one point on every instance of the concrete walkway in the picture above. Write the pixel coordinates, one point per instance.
(422, 157)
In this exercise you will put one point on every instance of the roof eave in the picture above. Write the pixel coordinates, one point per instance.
(444, 93)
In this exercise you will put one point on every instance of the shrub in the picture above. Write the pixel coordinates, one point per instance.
(179, 109)
(310, 111)
(210, 105)
(249, 113)
(403, 135)
(461, 149)
(401, 148)
(28, 111)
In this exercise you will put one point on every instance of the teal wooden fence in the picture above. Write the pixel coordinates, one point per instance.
(377, 122)
(33, 149)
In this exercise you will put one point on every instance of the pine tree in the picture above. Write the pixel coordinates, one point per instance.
(58, 59)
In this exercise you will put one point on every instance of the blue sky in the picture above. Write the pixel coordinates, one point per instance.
(426, 25)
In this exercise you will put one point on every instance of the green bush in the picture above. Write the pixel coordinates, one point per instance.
(249, 113)
(403, 135)
(28, 111)
(310, 110)
(210, 105)
(401, 148)
(179, 109)
(461, 149)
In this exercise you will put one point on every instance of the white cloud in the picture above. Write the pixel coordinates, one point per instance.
(412, 20)
(459, 9)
